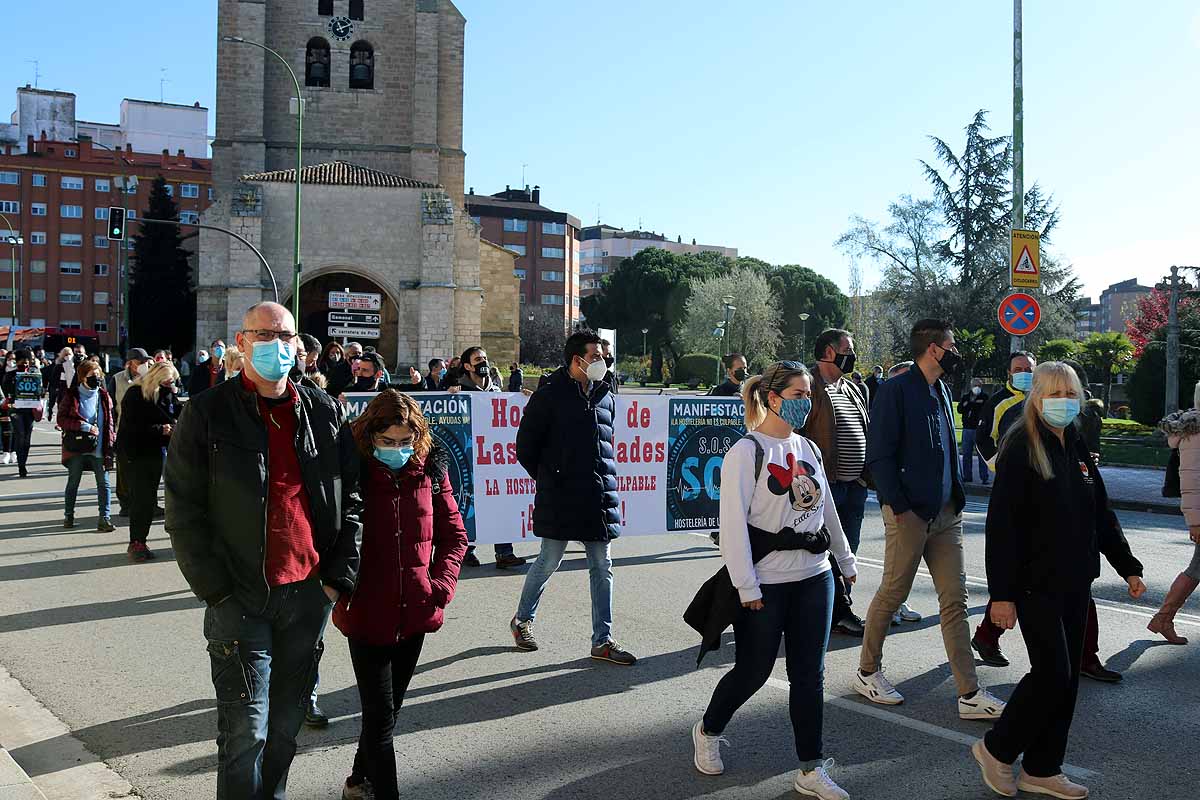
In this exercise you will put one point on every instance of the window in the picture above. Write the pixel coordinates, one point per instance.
(356, 9)
(552, 276)
(70, 239)
(70, 152)
(37, 295)
(477, 220)
(70, 212)
(102, 213)
(14, 178)
(554, 228)
(170, 189)
(100, 241)
(516, 225)
(100, 298)
(38, 180)
(552, 300)
(100, 270)
(10, 206)
(100, 326)
(189, 217)
(212, 195)
(6, 296)
(130, 214)
(316, 62)
(38, 209)
(37, 265)
(37, 237)
(103, 185)
(575, 302)
(362, 66)
(72, 183)
(553, 252)
(129, 244)
(189, 190)
(325, 8)
(70, 296)
(519, 249)
(70, 324)
(520, 273)
(70, 267)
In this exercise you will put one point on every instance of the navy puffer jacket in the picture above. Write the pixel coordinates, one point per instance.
(565, 442)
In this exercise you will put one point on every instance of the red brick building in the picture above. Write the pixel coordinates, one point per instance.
(57, 195)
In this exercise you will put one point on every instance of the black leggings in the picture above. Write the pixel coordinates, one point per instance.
(142, 475)
(22, 435)
(382, 674)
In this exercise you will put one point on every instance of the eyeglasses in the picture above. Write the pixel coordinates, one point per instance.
(268, 335)
(387, 441)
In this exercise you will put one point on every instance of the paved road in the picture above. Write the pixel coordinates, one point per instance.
(114, 651)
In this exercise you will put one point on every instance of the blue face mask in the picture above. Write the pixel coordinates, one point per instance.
(442, 374)
(1058, 412)
(394, 457)
(218, 352)
(273, 360)
(1022, 381)
(795, 411)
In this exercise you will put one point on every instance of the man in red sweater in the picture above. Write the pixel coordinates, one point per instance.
(262, 509)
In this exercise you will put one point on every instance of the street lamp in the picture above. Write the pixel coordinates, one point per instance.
(299, 161)
(13, 238)
(644, 332)
(803, 334)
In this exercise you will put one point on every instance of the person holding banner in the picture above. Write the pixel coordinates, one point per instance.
(565, 443)
(778, 522)
(24, 407)
(413, 543)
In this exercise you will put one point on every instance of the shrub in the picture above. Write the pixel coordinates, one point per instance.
(702, 366)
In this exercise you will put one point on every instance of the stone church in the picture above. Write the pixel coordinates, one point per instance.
(382, 205)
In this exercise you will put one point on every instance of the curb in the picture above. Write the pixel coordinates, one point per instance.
(975, 490)
(14, 783)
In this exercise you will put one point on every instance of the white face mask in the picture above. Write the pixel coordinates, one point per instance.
(597, 370)
(976, 390)
(143, 368)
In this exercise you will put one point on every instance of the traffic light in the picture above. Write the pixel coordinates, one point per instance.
(116, 223)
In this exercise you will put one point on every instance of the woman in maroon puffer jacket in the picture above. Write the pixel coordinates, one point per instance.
(413, 544)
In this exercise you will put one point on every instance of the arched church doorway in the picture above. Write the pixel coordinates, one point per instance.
(315, 310)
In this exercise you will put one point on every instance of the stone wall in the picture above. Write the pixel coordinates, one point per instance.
(501, 317)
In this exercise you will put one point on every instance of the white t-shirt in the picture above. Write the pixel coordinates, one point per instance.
(792, 492)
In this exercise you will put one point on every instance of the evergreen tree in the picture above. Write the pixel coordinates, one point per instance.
(162, 301)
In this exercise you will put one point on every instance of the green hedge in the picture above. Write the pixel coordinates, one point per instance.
(697, 365)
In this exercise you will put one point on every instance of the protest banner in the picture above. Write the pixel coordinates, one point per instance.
(28, 390)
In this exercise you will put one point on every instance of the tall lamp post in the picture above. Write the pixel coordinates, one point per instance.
(14, 238)
(122, 284)
(644, 332)
(727, 301)
(803, 334)
(299, 162)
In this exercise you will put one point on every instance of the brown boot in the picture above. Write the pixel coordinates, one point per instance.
(1164, 621)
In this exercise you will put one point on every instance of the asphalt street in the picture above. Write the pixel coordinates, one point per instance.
(114, 650)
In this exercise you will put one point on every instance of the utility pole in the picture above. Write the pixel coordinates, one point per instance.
(1018, 217)
(1172, 399)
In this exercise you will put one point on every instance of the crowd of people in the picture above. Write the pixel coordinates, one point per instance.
(283, 516)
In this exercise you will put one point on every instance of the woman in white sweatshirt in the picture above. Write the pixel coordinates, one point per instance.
(787, 593)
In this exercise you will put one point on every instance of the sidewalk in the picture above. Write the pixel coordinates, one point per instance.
(1129, 489)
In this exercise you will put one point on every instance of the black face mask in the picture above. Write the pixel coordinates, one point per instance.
(609, 361)
(364, 384)
(92, 382)
(483, 369)
(740, 374)
(951, 361)
(844, 362)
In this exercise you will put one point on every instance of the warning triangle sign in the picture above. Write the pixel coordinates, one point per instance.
(1025, 263)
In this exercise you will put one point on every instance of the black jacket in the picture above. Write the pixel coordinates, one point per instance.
(216, 490)
(1048, 535)
(904, 446)
(726, 388)
(516, 379)
(1002, 411)
(971, 406)
(203, 378)
(565, 442)
(338, 376)
(137, 435)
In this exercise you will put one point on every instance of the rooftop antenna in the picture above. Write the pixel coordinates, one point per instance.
(597, 213)
(37, 75)
(162, 82)
(523, 166)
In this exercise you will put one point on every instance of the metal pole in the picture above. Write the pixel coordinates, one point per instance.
(262, 259)
(1172, 398)
(12, 236)
(122, 284)
(1018, 219)
(299, 166)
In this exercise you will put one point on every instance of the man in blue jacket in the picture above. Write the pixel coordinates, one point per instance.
(913, 459)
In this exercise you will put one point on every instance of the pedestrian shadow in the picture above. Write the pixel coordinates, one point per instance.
(576, 560)
(64, 567)
(1125, 659)
(95, 612)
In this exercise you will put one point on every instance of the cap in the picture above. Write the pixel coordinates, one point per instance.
(137, 354)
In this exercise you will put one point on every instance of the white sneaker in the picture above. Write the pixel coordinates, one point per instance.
(7, 458)
(984, 705)
(708, 750)
(906, 614)
(876, 688)
(818, 783)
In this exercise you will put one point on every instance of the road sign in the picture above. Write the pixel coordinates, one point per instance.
(1026, 260)
(346, 332)
(355, 318)
(356, 301)
(1019, 314)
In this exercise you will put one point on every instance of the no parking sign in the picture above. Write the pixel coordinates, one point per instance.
(1019, 314)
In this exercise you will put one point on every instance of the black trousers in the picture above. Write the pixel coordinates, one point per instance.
(22, 435)
(142, 476)
(5, 436)
(382, 674)
(1038, 718)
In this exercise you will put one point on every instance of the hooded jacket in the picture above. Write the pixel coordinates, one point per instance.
(1003, 409)
(1183, 433)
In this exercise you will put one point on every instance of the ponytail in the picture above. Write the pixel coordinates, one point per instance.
(755, 399)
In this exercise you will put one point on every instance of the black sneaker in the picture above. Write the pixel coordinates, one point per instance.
(523, 634)
(850, 625)
(613, 652)
(470, 560)
(314, 717)
(69, 521)
(989, 654)
(104, 525)
(507, 560)
(1098, 672)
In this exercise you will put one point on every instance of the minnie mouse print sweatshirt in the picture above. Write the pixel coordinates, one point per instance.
(791, 492)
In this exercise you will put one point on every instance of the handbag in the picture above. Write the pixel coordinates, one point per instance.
(79, 442)
(1171, 479)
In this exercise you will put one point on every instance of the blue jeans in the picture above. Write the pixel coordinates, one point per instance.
(850, 500)
(600, 568)
(969, 455)
(264, 664)
(799, 613)
(75, 467)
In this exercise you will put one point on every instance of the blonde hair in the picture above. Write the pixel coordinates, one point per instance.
(319, 379)
(1196, 396)
(1048, 378)
(159, 372)
(232, 361)
(774, 378)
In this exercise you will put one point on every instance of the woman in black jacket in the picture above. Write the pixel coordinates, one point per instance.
(149, 412)
(1048, 521)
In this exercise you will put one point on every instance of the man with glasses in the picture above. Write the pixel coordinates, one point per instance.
(913, 459)
(262, 510)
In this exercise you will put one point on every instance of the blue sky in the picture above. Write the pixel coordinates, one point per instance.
(761, 126)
